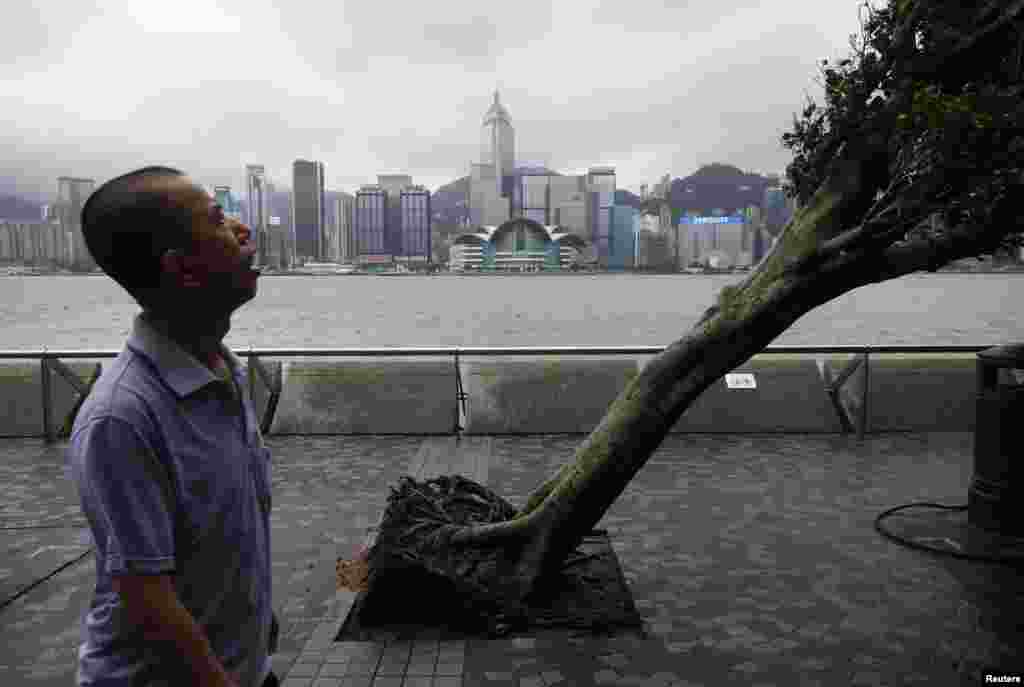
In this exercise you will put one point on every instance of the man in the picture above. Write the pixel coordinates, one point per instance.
(166, 451)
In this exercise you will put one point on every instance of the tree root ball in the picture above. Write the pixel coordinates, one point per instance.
(413, 551)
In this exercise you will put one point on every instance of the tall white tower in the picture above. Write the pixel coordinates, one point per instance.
(498, 140)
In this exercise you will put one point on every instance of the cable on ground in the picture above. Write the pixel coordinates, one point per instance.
(933, 549)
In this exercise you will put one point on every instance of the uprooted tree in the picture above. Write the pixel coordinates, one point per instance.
(914, 161)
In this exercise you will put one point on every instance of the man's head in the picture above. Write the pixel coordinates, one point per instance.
(167, 242)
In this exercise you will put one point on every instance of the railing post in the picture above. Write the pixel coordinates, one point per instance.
(865, 393)
(44, 370)
(459, 396)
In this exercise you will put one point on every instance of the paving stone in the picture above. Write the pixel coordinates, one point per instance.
(327, 682)
(418, 681)
(447, 682)
(604, 677)
(304, 669)
(746, 667)
(387, 682)
(334, 670)
(449, 668)
(494, 675)
(391, 669)
(531, 681)
(866, 678)
(420, 668)
(357, 668)
(297, 682)
(615, 660)
(552, 677)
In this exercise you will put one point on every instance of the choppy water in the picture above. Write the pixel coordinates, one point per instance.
(532, 310)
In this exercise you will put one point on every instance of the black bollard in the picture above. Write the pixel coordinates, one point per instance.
(996, 495)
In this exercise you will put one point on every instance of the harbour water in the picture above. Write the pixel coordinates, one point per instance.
(93, 312)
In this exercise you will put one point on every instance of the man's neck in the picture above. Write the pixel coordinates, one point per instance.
(201, 339)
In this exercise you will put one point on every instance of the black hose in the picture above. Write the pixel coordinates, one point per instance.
(924, 547)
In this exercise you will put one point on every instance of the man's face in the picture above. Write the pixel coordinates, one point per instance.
(216, 272)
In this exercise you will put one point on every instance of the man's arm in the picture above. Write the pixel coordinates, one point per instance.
(153, 606)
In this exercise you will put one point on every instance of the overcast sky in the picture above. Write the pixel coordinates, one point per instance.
(95, 88)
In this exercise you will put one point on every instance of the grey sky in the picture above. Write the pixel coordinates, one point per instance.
(96, 88)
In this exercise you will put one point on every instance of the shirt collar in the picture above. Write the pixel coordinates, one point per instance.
(179, 368)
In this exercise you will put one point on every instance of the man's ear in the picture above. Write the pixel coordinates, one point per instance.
(177, 269)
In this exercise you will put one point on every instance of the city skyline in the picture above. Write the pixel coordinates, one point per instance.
(650, 90)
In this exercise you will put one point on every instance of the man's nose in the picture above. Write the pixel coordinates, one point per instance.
(243, 232)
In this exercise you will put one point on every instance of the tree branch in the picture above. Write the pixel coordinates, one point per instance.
(928, 253)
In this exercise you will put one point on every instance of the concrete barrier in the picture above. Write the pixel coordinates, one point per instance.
(21, 396)
(545, 395)
(933, 392)
(390, 395)
(555, 395)
(789, 396)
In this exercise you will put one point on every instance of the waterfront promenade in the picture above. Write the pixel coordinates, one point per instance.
(752, 559)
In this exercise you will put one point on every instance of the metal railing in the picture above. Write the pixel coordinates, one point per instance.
(51, 361)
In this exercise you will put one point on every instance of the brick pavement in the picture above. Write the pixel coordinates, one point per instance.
(752, 558)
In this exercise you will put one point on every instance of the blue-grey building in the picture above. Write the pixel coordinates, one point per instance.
(415, 223)
(622, 237)
(369, 225)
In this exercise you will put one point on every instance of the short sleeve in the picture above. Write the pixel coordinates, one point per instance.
(127, 496)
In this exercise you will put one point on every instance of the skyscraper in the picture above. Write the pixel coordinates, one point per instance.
(339, 226)
(498, 139)
(280, 231)
(257, 207)
(370, 225)
(308, 209)
(601, 187)
(393, 184)
(490, 200)
(72, 193)
(415, 223)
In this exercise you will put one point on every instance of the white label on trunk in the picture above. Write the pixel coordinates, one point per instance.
(740, 380)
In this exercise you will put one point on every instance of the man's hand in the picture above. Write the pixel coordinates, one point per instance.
(152, 605)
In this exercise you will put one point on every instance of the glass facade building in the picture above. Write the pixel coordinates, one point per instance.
(622, 239)
(414, 204)
(370, 225)
(258, 210)
(280, 237)
(308, 210)
(534, 196)
(601, 198)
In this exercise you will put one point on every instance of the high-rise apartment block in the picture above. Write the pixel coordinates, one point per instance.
(308, 210)
(72, 192)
